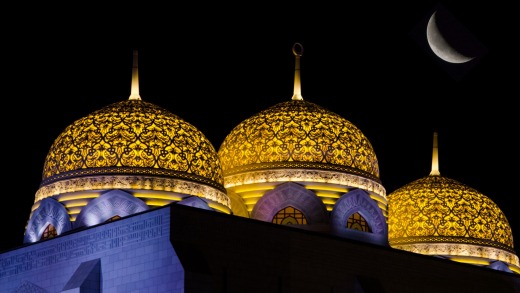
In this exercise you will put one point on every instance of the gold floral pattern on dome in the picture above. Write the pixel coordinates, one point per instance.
(437, 209)
(133, 137)
(298, 133)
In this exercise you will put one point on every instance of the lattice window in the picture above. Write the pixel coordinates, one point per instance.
(289, 216)
(49, 232)
(357, 222)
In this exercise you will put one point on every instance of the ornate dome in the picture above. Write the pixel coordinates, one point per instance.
(298, 134)
(132, 137)
(120, 160)
(298, 141)
(437, 215)
(440, 209)
(135, 145)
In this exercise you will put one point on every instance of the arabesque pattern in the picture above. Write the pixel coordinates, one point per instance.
(294, 132)
(437, 209)
(132, 137)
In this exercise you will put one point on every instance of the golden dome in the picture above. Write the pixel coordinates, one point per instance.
(437, 209)
(298, 134)
(298, 141)
(436, 215)
(134, 146)
(133, 137)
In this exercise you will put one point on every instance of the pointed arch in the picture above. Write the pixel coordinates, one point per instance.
(27, 286)
(359, 201)
(109, 204)
(289, 216)
(195, 201)
(49, 232)
(357, 222)
(238, 205)
(50, 212)
(294, 195)
(500, 266)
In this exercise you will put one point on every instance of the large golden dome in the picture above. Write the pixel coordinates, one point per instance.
(302, 142)
(133, 137)
(123, 159)
(436, 215)
(298, 134)
(132, 145)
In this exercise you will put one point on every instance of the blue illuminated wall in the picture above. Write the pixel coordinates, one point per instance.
(133, 254)
(179, 248)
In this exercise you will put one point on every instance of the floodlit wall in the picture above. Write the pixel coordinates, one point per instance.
(132, 254)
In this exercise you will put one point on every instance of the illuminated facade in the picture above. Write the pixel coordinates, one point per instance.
(110, 214)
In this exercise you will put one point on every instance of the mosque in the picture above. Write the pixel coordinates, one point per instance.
(133, 198)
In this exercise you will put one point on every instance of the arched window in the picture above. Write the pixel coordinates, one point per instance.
(49, 232)
(357, 222)
(289, 216)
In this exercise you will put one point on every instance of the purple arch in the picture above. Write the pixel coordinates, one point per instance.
(51, 212)
(109, 204)
(359, 201)
(291, 194)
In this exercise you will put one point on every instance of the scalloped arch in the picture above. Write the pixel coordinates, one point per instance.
(195, 201)
(109, 204)
(290, 194)
(359, 201)
(51, 212)
(500, 266)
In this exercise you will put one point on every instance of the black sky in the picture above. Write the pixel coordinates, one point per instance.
(215, 69)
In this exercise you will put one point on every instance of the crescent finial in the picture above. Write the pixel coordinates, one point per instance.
(297, 49)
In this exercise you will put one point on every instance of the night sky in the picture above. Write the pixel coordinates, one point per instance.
(366, 62)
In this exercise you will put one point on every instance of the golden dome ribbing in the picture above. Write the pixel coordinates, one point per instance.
(437, 209)
(133, 137)
(436, 215)
(298, 134)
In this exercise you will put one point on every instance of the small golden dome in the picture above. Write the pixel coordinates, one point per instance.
(436, 215)
(437, 209)
(133, 137)
(298, 134)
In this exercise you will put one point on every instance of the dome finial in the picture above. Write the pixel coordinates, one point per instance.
(134, 94)
(435, 156)
(298, 52)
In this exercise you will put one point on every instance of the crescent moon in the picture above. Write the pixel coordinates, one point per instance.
(440, 46)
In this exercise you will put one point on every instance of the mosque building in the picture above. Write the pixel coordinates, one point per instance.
(133, 198)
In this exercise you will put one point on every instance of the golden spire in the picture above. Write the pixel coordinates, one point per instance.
(134, 94)
(435, 156)
(297, 51)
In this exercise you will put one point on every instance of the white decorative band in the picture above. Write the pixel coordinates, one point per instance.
(132, 182)
(305, 175)
(453, 249)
